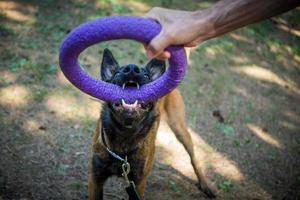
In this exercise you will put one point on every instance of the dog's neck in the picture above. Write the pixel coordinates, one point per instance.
(123, 139)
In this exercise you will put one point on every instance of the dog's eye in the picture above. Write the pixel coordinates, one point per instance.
(146, 76)
(117, 74)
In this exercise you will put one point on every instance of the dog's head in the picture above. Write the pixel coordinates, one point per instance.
(130, 115)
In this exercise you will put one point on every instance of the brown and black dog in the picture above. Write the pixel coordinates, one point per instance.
(130, 129)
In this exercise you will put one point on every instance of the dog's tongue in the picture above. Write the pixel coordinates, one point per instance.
(129, 106)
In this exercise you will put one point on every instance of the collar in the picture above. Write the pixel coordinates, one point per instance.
(122, 156)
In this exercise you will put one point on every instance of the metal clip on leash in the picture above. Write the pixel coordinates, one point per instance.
(125, 169)
(131, 189)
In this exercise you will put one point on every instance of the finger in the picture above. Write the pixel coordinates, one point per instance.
(158, 44)
(164, 56)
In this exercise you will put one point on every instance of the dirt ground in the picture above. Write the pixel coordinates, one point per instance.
(242, 94)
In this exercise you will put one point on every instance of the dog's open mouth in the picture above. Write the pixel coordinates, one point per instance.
(131, 84)
(132, 106)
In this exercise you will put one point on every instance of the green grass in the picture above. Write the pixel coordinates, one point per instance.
(5, 30)
(225, 185)
(298, 179)
(39, 94)
(76, 185)
(225, 129)
(175, 186)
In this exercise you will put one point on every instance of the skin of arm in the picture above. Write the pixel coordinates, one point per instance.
(190, 28)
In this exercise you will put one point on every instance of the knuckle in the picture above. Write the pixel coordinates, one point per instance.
(155, 9)
(154, 13)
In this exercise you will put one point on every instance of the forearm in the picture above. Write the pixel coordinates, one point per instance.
(192, 28)
(228, 15)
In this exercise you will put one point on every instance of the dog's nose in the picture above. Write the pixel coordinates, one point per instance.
(131, 70)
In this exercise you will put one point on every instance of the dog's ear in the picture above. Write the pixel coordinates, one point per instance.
(108, 66)
(156, 68)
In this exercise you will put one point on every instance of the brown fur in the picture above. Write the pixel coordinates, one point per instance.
(171, 108)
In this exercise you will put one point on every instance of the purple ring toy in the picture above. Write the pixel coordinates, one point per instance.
(112, 28)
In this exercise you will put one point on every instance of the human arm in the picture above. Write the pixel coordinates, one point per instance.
(191, 28)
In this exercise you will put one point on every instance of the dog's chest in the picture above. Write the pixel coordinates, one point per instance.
(115, 167)
(111, 166)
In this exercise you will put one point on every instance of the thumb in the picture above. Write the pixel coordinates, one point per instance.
(158, 44)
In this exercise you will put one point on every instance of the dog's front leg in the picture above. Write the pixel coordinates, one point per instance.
(174, 109)
(97, 177)
(141, 169)
(95, 189)
(138, 176)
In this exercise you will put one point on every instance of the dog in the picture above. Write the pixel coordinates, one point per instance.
(129, 130)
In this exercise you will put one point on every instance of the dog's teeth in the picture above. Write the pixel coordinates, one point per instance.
(123, 103)
(128, 105)
(138, 86)
(135, 103)
(123, 86)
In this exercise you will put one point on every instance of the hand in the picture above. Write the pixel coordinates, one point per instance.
(191, 28)
(178, 28)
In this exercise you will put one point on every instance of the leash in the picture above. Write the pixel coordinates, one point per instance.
(131, 189)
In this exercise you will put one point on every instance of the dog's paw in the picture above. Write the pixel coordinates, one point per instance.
(209, 192)
(209, 189)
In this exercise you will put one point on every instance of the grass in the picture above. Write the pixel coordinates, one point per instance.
(225, 129)
(6, 30)
(225, 185)
(175, 187)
